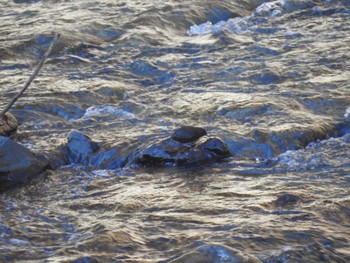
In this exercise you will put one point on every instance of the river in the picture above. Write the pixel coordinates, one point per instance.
(272, 80)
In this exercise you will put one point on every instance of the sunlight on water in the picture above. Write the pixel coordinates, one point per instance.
(267, 180)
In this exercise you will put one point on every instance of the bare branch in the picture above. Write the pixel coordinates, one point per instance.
(32, 77)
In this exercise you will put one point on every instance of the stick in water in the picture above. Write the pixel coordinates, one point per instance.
(32, 77)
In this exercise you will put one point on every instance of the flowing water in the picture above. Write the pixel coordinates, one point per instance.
(270, 80)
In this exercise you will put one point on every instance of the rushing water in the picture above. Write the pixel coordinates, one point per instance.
(272, 80)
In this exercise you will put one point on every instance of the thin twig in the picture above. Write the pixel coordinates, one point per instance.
(32, 77)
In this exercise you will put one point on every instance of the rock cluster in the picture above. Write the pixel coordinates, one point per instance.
(186, 146)
(170, 152)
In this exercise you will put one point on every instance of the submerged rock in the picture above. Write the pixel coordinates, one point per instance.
(8, 124)
(215, 253)
(17, 163)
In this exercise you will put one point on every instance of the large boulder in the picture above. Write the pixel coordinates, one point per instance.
(8, 124)
(17, 163)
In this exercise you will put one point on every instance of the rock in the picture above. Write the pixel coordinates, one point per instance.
(287, 200)
(17, 163)
(170, 152)
(8, 124)
(188, 134)
(79, 148)
(215, 254)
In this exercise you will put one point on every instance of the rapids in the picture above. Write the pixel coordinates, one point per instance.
(272, 80)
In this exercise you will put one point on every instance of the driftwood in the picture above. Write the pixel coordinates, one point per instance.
(31, 78)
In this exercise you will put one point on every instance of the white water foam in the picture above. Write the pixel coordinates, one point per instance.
(271, 9)
(103, 173)
(347, 113)
(106, 109)
(241, 25)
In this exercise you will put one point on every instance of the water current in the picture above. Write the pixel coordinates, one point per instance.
(272, 80)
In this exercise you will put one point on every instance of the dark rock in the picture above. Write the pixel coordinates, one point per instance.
(287, 200)
(188, 134)
(8, 124)
(79, 148)
(213, 147)
(215, 253)
(17, 163)
(169, 152)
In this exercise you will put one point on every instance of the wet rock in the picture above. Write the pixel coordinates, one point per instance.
(287, 200)
(8, 124)
(106, 159)
(188, 134)
(170, 152)
(17, 163)
(215, 254)
(79, 148)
